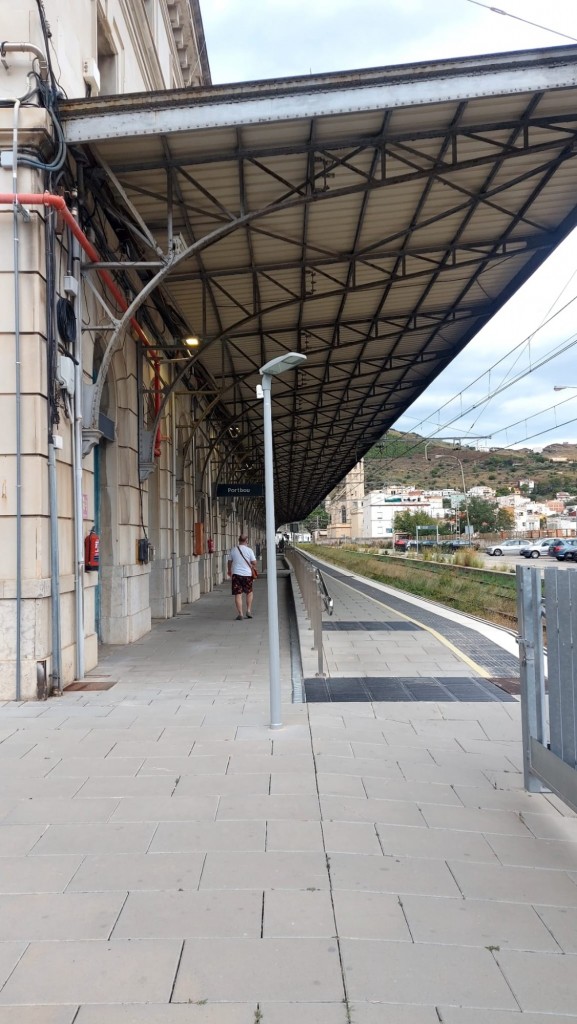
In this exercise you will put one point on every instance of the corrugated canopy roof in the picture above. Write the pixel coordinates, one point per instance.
(374, 220)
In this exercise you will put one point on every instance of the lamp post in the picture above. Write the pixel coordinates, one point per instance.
(273, 369)
(455, 459)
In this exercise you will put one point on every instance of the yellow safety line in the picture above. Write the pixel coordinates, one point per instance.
(439, 636)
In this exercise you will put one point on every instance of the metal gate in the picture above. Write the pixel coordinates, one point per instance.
(549, 710)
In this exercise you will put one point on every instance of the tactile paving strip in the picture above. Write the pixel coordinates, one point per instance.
(365, 689)
(371, 627)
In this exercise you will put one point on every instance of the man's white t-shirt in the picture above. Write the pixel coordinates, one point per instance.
(239, 567)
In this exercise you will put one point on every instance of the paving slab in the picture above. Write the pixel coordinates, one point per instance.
(458, 1015)
(392, 874)
(562, 923)
(204, 836)
(82, 972)
(515, 885)
(17, 840)
(390, 971)
(482, 923)
(293, 913)
(112, 837)
(165, 1013)
(175, 914)
(38, 1014)
(287, 969)
(138, 871)
(541, 982)
(53, 916)
(392, 1013)
(28, 875)
(435, 843)
(270, 870)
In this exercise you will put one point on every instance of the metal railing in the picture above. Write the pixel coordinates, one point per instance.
(549, 714)
(315, 595)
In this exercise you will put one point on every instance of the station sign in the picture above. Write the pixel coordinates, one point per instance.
(239, 490)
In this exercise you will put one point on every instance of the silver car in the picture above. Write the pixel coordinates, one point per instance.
(508, 547)
(536, 548)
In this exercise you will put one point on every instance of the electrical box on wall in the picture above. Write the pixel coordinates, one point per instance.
(91, 75)
(143, 551)
(199, 538)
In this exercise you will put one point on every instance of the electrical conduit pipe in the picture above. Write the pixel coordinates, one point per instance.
(59, 203)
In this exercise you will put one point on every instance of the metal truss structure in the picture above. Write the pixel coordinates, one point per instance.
(374, 221)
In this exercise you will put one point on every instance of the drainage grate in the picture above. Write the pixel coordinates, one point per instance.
(372, 627)
(90, 684)
(365, 689)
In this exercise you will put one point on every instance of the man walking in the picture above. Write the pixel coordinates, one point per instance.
(240, 566)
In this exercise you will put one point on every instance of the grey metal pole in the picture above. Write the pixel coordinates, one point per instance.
(271, 577)
(466, 497)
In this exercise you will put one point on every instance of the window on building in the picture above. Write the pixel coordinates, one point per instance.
(151, 11)
(343, 513)
(107, 59)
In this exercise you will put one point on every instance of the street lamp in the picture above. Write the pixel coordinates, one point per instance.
(273, 369)
(465, 495)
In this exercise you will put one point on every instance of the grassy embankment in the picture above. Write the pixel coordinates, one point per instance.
(482, 592)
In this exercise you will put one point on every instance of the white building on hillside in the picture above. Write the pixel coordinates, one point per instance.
(380, 508)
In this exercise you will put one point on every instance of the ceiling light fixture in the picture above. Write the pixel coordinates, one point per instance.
(192, 342)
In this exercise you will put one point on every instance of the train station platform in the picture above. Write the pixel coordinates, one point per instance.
(166, 858)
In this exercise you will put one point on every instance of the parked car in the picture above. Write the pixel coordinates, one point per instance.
(456, 545)
(539, 547)
(559, 545)
(567, 551)
(507, 547)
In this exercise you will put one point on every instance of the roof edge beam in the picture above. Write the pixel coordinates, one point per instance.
(285, 102)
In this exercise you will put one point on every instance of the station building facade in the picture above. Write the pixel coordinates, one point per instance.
(157, 533)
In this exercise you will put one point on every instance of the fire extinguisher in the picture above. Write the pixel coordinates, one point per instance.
(210, 545)
(91, 552)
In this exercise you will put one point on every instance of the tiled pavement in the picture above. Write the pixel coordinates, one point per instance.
(167, 859)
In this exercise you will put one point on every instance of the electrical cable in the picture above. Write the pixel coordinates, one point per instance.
(66, 321)
(517, 17)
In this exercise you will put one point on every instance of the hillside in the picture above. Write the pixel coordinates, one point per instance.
(400, 459)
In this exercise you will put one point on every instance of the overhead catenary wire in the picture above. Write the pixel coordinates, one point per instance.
(517, 17)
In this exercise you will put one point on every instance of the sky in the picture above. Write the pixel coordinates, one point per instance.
(255, 39)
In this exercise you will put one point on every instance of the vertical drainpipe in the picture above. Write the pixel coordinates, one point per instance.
(77, 461)
(174, 503)
(56, 659)
(18, 389)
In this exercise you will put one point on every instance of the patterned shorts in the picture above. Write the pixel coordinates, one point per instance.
(241, 584)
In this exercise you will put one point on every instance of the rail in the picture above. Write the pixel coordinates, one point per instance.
(548, 713)
(315, 596)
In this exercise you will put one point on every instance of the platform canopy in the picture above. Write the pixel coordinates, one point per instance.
(374, 220)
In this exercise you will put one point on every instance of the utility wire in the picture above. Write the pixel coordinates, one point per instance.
(505, 383)
(516, 17)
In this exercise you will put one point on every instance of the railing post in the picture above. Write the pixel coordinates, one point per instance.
(317, 622)
(530, 640)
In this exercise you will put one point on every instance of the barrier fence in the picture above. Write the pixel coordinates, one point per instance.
(315, 595)
(549, 707)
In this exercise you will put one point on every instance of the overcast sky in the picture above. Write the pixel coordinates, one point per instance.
(254, 39)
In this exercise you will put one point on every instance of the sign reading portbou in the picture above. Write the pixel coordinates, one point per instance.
(239, 490)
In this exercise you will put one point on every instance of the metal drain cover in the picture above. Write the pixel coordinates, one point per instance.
(364, 689)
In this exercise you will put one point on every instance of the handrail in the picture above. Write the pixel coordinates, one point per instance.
(326, 597)
(315, 596)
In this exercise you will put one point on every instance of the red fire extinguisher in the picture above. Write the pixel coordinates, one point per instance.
(91, 551)
(210, 546)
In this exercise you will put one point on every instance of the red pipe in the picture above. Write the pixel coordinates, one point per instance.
(59, 203)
